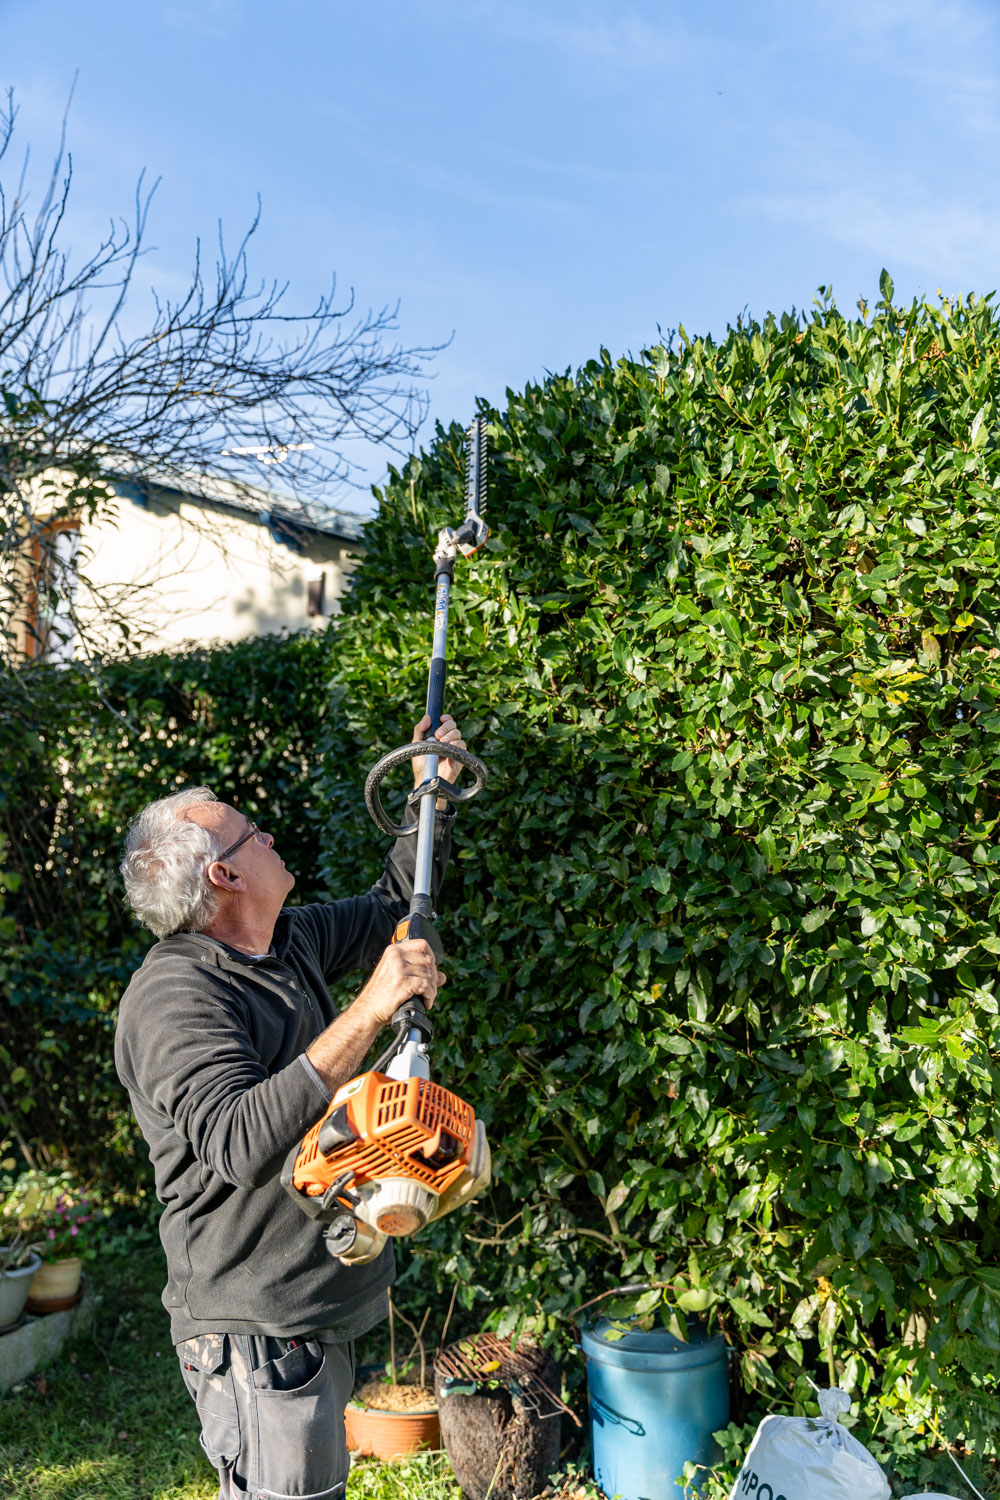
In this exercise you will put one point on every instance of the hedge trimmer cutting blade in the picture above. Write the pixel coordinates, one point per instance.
(395, 1150)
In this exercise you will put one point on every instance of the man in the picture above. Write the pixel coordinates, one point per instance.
(231, 1049)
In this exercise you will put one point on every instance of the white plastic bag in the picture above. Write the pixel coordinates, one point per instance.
(810, 1458)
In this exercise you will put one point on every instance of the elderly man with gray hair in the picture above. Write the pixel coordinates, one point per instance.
(231, 1048)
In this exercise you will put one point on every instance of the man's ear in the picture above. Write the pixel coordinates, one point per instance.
(225, 877)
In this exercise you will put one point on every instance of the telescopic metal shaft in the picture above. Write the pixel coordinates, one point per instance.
(421, 899)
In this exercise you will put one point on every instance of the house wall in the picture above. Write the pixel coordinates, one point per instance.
(181, 571)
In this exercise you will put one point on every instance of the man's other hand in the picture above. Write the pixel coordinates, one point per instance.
(404, 970)
(449, 734)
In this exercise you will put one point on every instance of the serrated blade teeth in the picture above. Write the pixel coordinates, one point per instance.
(475, 472)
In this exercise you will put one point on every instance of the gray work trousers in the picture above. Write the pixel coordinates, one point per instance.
(272, 1413)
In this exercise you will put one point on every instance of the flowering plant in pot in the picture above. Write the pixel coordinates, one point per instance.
(51, 1216)
(58, 1241)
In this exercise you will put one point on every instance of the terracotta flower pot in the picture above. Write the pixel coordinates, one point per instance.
(56, 1285)
(391, 1434)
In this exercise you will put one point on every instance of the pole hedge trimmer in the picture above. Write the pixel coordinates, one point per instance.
(395, 1150)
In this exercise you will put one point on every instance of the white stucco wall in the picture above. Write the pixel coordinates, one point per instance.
(181, 572)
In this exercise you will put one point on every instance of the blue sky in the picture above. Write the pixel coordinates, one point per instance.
(534, 180)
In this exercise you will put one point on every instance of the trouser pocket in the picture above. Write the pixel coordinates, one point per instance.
(290, 1371)
(297, 1390)
(207, 1371)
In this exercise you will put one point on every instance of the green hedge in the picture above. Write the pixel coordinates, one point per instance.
(722, 982)
(722, 938)
(81, 753)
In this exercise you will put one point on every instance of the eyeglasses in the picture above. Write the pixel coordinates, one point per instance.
(253, 833)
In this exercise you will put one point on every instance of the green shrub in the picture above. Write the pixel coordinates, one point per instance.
(81, 755)
(721, 932)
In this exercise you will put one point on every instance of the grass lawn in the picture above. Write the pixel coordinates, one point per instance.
(112, 1421)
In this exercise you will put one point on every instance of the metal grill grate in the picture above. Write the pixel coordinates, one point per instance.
(391, 1103)
(488, 1360)
(437, 1106)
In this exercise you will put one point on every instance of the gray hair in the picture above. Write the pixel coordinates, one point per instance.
(166, 857)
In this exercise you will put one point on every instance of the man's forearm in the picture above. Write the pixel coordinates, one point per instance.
(338, 1052)
(405, 970)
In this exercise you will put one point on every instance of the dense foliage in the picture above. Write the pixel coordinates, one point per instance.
(722, 973)
(81, 755)
(721, 927)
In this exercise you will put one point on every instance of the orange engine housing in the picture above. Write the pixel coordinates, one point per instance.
(409, 1128)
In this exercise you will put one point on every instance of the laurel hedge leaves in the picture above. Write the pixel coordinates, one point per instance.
(721, 930)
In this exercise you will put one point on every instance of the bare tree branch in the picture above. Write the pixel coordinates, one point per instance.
(188, 390)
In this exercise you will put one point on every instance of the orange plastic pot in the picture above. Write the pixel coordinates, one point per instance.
(391, 1434)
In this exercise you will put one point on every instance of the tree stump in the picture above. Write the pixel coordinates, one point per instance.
(496, 1444)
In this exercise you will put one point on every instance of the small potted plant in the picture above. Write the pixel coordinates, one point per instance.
(56, 1235)
(390, 1415)
(19, 1261)
(49, 1215)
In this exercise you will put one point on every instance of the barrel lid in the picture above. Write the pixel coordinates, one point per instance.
(654, 1341)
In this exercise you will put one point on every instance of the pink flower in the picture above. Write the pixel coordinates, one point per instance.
(52, 1234)
(74, 1230)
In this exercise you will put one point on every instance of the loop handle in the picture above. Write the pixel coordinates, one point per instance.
(436, 786)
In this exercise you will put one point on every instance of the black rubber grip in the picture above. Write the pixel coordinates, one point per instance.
(435, 691)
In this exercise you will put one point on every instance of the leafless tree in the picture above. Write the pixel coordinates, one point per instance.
(196, 392)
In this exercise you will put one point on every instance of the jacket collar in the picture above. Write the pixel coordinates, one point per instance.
(198, 945)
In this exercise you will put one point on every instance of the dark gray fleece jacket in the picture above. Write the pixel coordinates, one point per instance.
(210, 1046)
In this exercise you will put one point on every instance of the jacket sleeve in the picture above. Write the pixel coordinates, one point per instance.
(352, 934)
(189, 1063)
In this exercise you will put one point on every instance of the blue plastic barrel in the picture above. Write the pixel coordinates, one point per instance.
(654, 1404)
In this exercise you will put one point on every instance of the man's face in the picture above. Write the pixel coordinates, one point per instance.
(266, 880)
